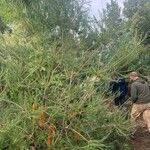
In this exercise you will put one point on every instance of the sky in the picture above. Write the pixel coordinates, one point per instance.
(98, 5)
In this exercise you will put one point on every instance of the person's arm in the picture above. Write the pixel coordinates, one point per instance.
(134, 93)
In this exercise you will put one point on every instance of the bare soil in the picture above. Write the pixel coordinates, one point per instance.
(141, 137)
(140, 140)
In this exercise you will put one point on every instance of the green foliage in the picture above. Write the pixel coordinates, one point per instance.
(131, 7)
(112, 15)
(60, 18)
(140, 10)
(47, 62)
(31, 75)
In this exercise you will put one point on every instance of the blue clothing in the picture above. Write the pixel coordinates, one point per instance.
(119, 88)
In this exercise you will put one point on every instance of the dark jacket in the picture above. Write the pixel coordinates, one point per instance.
(118, 86)
(140, 91)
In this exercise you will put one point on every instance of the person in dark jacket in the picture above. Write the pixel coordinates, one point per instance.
(118, 87)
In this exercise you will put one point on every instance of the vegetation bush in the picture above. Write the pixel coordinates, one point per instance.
(48, 98)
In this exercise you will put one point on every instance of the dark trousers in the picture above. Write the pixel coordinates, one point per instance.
(119, 100)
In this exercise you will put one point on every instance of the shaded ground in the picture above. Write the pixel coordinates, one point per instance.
(141, 138)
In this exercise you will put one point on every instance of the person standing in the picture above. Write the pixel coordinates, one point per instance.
(118, 87)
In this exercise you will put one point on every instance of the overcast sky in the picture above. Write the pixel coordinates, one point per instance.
(99, 5)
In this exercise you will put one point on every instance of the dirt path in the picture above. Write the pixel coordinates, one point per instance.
(141, 138)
